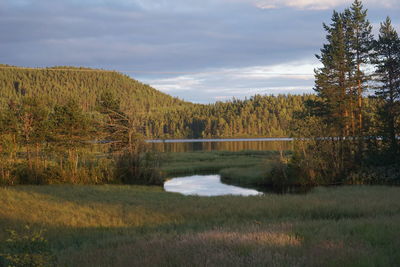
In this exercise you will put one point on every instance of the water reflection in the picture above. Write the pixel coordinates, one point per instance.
(205, 185)
(272, 144)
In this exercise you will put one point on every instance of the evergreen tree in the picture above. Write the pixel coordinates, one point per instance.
(70, 124)
(387, 77)
(332, 83)
(340, 84)
(360, 42)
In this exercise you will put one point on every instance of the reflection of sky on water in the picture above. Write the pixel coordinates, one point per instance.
(205, 185)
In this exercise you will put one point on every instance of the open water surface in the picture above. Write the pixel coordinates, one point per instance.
(205, 185)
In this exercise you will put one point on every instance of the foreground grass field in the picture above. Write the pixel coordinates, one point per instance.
(145, 226)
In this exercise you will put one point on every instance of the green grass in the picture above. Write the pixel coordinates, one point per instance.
(145, 226)
(250, 176)
(186, 163)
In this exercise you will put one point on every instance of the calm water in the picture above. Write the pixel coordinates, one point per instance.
(211, 185)
(188, 145)
(205, 185)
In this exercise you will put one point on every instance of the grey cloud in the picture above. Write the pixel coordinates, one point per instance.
(206, 39)
(173, 35)
(242, 82)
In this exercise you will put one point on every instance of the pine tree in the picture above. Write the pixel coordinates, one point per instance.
(342, 81)
(332, 85)
(332, 82)
(360, 44)
(387, 77)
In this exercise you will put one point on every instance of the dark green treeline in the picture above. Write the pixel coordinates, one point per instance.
(259, 116)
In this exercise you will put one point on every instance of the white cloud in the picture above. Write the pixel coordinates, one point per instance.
(223, 84)
(319, 4)
(293, 70)
(192, 5)
(174, 84)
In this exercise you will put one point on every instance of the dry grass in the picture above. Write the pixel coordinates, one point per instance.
(209, 248)
(144, 226)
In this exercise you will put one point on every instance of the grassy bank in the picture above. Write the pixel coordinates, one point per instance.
(144, 226)
(249, 176)
(183, 163)
(242, 168)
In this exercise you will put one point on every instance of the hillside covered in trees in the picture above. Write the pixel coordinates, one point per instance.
(158, 115)
(58, 85)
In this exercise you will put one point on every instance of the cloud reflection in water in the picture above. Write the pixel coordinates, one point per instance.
(205, 185)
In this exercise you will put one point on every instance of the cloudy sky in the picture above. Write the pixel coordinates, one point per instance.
(199, 50)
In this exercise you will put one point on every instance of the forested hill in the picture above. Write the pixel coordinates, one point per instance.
(59, 84)
(158, 115)
(258, 116)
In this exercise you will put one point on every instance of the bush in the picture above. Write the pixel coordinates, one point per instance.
(139, 168)
(27, 248)
(36, 175)
(388, 175)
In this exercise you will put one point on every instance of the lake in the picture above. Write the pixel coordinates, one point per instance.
(205, 185)
(237, 144)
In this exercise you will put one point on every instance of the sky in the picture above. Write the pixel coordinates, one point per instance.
(198, 50)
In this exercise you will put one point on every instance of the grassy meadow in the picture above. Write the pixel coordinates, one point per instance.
(113, 225)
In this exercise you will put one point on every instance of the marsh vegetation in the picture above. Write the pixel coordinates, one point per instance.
(115, 225)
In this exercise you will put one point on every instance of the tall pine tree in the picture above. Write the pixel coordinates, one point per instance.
(342, 82)
(387, 77)
(360, 42)
(331, 82)
(332, 86)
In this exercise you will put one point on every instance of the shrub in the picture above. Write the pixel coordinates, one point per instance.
(37, 174)
(139, 168)
(389, 175)
(27, 248)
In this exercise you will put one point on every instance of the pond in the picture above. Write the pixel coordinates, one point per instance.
(189, 145)
(205, 185)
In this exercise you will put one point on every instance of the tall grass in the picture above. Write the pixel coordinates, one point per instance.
(137, 225)
(81, 166)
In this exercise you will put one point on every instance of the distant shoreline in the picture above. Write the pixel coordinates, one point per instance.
(270, 139)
